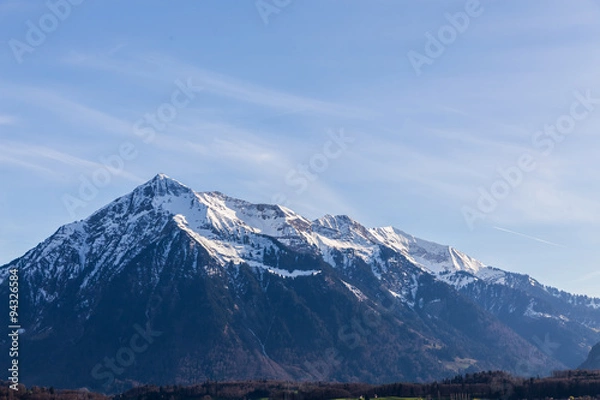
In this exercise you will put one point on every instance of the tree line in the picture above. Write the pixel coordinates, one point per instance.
(576, 384)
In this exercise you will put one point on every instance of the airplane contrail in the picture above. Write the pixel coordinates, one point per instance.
(528, 236)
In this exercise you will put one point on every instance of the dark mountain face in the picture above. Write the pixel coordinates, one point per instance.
(166, 285)
(593, 360)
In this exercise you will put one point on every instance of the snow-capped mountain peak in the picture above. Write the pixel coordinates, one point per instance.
(237, 231)
(164, 185)
(220, 220)
(228, 228)
(164, 247)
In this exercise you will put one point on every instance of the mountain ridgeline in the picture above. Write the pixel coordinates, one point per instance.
(170, 286)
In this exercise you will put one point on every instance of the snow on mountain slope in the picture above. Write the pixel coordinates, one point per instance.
(431, 256)
(276, 221)
(163, 232)
(98, 246)
(340, 239)
(344, 234)
(231, 230)
(341, 234)
(236, 231)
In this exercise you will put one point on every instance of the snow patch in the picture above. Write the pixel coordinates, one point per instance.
(293, 274)
(359, 295)
(531, 313)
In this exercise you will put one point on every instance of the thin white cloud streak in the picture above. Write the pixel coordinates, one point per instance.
(7, 120)
(4, 159)
(544, 202)
(528, 236)
(446, 175)
(35, 157)
(586, 277)
(503, 129)
(68, 109)
(395, 163)
(228, 87)
(479, 141)
(221, 143)
(8, 8)
(259, 165)
(546, 195)
(558, 15)
(516, 92)
(558, 191)
(218, 84)
(561, 190)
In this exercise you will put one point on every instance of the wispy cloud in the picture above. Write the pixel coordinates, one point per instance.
(219, 84)
(10, 7)
(67, 108)
(414, 167)
(37, 157)
(220, 142)
(7, 160)
(546, 200)
(7, 120)
(587, 277)
(584, 13)
(537, 239)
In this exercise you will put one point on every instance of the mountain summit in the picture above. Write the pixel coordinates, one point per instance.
(168, 285)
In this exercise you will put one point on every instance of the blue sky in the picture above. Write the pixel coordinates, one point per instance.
(426, 124)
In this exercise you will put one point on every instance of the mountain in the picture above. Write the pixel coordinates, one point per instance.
(166, 285)
(593, 360)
